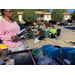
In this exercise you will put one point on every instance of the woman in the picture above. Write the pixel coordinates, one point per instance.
(8, 30)
(53, 32)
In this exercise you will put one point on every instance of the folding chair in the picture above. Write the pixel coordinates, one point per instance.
(58, 34)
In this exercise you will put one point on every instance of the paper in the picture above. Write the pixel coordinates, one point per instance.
(36, 40)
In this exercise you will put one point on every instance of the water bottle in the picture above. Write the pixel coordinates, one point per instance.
(67, 61)
(33, 50)
(47, 60)
(37, 50)
(43, 62)
(52, 63)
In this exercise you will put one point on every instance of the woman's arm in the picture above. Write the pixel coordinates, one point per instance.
(2, 33)
(37, 33)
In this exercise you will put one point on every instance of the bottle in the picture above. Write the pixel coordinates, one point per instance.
(0, 47)
(43, 62)
(4, 50)
(37, 50)
(53, 63)
(33, 50)
(67, 61)
(47, 60)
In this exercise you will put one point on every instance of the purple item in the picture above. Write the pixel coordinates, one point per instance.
(1, 62)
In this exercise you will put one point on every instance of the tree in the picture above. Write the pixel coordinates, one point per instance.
(15, 16)
(57, 15)
(73, 15)
(45, 22)
(0, 10)
(29, 16)
(44, 10)
(65, 10)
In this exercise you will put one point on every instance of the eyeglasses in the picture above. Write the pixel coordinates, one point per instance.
(10, 11)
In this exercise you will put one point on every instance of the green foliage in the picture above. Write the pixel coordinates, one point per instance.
(65, 10)
(29, 16)
(15, 16)
(57, 15)
(45, 22)
(44, 10)
(73, 15)
(0, 10)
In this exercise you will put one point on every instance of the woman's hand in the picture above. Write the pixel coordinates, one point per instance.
(23, 38)
(14, 37)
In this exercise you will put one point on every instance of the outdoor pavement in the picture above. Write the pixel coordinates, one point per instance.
(67, 38)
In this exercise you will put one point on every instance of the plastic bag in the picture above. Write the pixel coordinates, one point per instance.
(36, 40)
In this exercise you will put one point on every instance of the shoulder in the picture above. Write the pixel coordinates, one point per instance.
(1, 21)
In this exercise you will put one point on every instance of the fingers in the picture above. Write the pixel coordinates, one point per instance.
(14, 37)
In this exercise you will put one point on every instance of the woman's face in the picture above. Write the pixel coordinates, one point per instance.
(8, 13)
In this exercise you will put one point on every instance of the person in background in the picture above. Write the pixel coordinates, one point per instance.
(30, 32)
(53, 32)
(38, 33)
(8, 30)
(46, 29)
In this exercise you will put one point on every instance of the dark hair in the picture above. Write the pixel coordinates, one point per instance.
(2, 11)
(53, 27)
(38, 29)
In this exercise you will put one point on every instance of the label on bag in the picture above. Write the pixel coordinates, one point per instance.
(4, 52)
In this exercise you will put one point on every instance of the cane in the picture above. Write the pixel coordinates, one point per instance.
(31, 56)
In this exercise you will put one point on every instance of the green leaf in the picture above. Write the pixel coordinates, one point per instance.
(29, 15)
(57, 15)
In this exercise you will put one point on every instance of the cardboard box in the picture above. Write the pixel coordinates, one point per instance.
(53, 53)
(44, 48)
(65, 49)
(70, 54)
(47, 48)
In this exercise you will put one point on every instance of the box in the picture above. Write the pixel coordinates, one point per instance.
(65, 49)
(70, 54)
(53, 53)
(47, 48)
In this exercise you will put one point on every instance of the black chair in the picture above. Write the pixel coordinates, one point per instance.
(42, 35)
(58, 33)
(52, 35)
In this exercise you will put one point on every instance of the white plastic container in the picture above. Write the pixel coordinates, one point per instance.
(67, 61)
